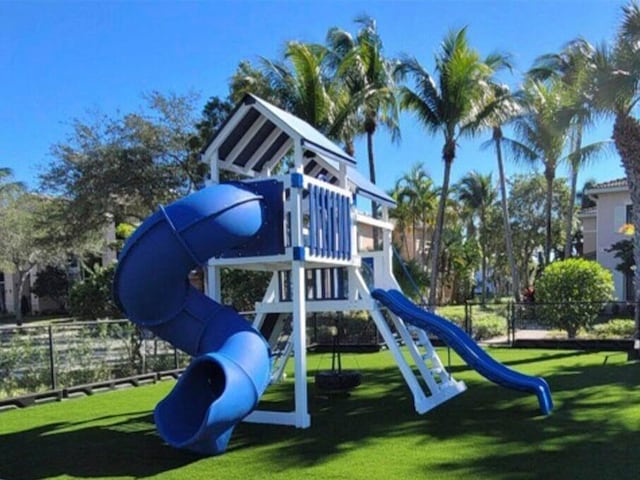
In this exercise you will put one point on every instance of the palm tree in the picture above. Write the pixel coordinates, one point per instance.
(574, 67)
(543, 132)
(300, 84)
(617, 80)
(420, 191)
(506, 108)
(476, 192)
(360, 65)
(450, 106)
(402, 214)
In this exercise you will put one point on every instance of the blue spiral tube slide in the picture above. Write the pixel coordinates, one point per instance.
(231, 365)
(466, 347)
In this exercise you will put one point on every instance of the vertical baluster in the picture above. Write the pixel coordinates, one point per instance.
(325, 220)
(313, 227)
(332, 221)
(344, 231)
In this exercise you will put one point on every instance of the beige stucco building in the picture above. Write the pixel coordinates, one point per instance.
(602, 226)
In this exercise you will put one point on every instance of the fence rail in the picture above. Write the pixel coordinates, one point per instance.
(57, 357)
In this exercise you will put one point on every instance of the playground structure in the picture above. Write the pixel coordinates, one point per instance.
(304, 227)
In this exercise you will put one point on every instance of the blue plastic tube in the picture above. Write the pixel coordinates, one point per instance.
(232, 363)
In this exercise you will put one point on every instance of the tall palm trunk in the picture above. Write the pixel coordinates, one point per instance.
(574, 184)
(372, 166)
(372, 176)
(448, 156)
(497, 135)
(626, 135)
(549, 175)
(483, 252)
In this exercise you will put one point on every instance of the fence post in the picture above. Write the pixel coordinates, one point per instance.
(468, 322)
(517, 311)
(52, 363)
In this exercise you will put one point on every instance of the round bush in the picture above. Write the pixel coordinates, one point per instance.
(570, 293)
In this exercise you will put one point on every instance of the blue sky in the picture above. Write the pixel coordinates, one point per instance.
(60, 59)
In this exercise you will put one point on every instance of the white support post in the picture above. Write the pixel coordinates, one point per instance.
(302, 417)
(387, 245)
(212, 278)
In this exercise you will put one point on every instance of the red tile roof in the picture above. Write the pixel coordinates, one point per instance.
(588, 211)
(617, 183)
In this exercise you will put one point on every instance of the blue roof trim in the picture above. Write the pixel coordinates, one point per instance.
(325, 151)
(373, 196)
(365, 188)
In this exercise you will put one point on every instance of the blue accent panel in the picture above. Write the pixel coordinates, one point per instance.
(232, 365)
(464, 346)
(298, 253)
(269, 240)
(297, 180)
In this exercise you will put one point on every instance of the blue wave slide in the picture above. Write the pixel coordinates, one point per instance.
(232, 363)
(464, 346)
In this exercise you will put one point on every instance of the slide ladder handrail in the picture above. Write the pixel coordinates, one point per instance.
(469, 350)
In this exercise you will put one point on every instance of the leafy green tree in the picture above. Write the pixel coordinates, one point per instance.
(214, 113)
(242, 291)
(570, 293)
(451, 104)
(91, 298)
(121, 168)
(9, 187)
(623, 251)
(23, 244)
(52, 282)
(527, 204)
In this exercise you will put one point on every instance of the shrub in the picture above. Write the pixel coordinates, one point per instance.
(92, 298)
(489, 326)
(570, 293)
(617, 328)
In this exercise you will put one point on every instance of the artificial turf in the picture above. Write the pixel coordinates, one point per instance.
(487, 432)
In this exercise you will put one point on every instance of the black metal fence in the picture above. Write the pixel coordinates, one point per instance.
(60, 356)
(528, 320)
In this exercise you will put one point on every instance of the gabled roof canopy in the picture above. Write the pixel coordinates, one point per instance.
(258, 135)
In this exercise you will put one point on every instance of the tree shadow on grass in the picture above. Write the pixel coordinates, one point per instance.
(126, 446)
(581, 439)
(492, 432)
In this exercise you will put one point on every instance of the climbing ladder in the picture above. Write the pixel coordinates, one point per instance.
(423, 370)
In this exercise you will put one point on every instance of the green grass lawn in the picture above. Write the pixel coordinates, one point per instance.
(487, 432)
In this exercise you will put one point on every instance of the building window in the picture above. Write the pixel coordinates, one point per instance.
(628, 214)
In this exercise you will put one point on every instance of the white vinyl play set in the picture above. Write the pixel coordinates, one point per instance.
(325, 244)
